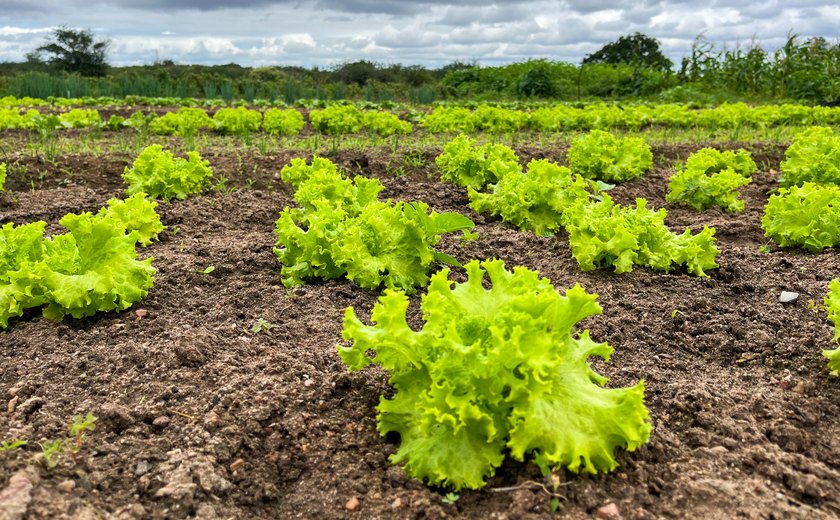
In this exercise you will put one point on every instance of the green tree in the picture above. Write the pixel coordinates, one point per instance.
(636, 49)
(75, 50)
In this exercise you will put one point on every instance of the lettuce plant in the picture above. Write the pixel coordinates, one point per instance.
(385, 123)
(603, 235)
(495, 371)
(160, 175)
(21, 247)
(341, 228)
(237, 121)
(444, 120)
(282, 122)
(832, 304)
(534, 200)
(601, 155)
(80, 118)
(91, 268)
(804, 216)
(495, 120)
(337, 120)
(2, 177)
(814, 156)
(186, 122)
(465, 163)
(711, 178)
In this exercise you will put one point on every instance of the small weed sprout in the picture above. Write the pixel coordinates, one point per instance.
(78, 426)
(261, 325)
(450, 498)
(12, 445)
(52, 452)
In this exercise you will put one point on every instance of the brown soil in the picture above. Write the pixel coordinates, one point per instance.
(199, 417)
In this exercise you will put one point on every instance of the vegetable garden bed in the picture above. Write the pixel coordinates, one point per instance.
(221, 394)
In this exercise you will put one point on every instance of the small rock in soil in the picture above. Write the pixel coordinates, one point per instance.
(352, 504)
(143, 467)
(161, 422)
(788, 297)
(66, 486)
(15, 498)
(609, 512)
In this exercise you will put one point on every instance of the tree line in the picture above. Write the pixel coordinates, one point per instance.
(74, 63)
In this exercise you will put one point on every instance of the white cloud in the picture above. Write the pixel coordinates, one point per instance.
(432, 32)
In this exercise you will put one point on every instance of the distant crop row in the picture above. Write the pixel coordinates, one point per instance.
(348, 119)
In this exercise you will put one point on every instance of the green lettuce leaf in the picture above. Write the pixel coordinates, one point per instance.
(2, 177)
(465, 163)
(534, 200)
(804, 216)
(603, 234)
(92, 268)
(832, 305)
(711, 178)
(814, 156)
(21, 247)
(160, 175)
(601, 155)
(136, 213)
(342, 229)
(493, 370)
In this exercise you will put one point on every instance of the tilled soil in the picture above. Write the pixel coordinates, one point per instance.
(198, 416)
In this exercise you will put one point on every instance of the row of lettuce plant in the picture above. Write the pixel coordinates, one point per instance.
(491, 371)
(349, 119)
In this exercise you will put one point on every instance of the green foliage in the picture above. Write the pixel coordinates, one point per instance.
(495, 370)
(93, 267)
(186, 122)
(444, 120)
(160, 175)
(261, 325)
(75, 50)
(465, 163)
(604, 235)
(494, 120)
(136, 214)
(12, 445)
(237, 121)
(534, 200)
(711, 178)
(283, 122)
(832, 305)
(337, 120)
(12, 118)
(21, 248)
(385, 123)
(342, 229)
(537, 81)
(77, 428)
(804, 216)
(637, 49)
(52, 450)
(2, 177)
(80, 118)
(814, 157)
(601, 155)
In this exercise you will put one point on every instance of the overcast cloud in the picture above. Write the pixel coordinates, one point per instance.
(431, 33)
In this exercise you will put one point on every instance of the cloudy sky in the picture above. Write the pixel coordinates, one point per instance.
(430, 33)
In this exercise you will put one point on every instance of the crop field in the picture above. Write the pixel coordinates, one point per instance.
(211, 369)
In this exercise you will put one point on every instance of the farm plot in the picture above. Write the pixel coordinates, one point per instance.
(221, 394)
